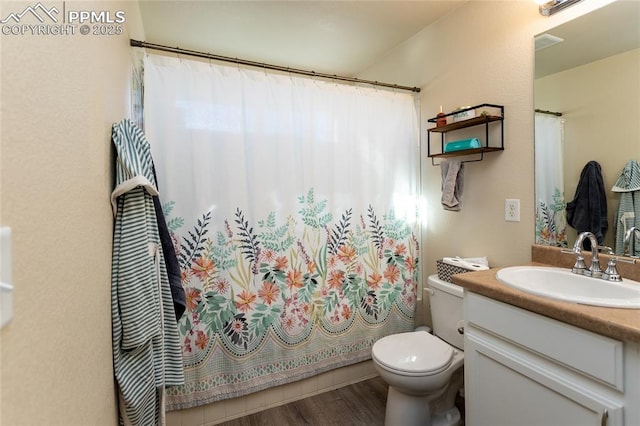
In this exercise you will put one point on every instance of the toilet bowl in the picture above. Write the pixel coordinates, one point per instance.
(419, 367)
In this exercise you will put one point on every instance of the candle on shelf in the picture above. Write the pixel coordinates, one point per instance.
(442, 119)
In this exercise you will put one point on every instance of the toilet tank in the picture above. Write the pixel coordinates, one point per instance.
(446, 310)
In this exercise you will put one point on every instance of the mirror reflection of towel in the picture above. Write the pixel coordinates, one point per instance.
(452, 184)
(628, 212)
(588, 209)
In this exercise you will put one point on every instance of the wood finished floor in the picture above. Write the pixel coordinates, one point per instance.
(359, 404)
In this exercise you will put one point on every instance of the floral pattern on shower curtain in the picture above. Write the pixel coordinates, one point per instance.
(551, 221)
(292, 207)
(255, 285)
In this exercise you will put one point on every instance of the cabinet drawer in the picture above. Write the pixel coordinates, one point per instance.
(592, 354)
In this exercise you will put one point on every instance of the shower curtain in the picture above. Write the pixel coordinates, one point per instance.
(292, 204)
(551, 222)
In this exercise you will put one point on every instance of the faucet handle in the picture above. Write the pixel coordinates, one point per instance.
(605, 249)
(579, 267)
(594, 269)
(611, 273)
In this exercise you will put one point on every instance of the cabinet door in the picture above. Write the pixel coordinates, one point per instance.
(507, 386)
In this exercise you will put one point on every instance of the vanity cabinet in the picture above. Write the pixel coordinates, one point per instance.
(522, 368)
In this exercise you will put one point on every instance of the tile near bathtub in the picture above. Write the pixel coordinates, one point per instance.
(256, 401)
(215, 411)
(192, 416)
(292, 391)
(325, 380)
(174, 418)
(342, 376)
(352, 371)
(236, 406)
(274, 396)
(309, 386)
(366, 369)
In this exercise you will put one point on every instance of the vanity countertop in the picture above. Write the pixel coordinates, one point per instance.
(621, 324)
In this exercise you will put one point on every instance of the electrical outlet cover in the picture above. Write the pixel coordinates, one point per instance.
(512, 210)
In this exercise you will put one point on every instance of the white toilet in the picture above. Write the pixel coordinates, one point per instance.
(423, 371)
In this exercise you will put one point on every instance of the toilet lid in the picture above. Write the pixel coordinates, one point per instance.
(413, 352)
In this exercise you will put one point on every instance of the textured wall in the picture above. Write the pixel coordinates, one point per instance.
(60, 95)
(481, 52)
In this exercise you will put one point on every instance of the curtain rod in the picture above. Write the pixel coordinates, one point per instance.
(177, 50)
(541, 111)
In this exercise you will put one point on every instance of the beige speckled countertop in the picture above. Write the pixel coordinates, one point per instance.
(621, 324)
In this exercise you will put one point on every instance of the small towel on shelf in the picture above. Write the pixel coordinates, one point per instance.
(452, 184)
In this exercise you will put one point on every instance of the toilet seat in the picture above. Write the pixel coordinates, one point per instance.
(415, 353)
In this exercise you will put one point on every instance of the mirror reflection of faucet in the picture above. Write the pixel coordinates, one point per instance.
(627, 242)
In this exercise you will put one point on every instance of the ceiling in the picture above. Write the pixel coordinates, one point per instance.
(333, 37)
(347, 37)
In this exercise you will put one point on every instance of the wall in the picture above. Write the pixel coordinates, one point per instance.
(481, 52)
(586, 103)
(60, 96)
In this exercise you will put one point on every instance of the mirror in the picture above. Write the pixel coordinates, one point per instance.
(592, 78)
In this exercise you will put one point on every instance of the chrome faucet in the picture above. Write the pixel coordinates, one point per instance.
(627, 240)
(580, 267)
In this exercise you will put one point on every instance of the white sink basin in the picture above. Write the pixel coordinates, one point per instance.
(561, 284)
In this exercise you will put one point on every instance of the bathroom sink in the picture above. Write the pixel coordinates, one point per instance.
(562, 284)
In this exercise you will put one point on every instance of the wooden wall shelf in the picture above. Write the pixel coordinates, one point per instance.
(484, 115)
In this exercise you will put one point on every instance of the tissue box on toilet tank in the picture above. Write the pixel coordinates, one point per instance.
(445, 270)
